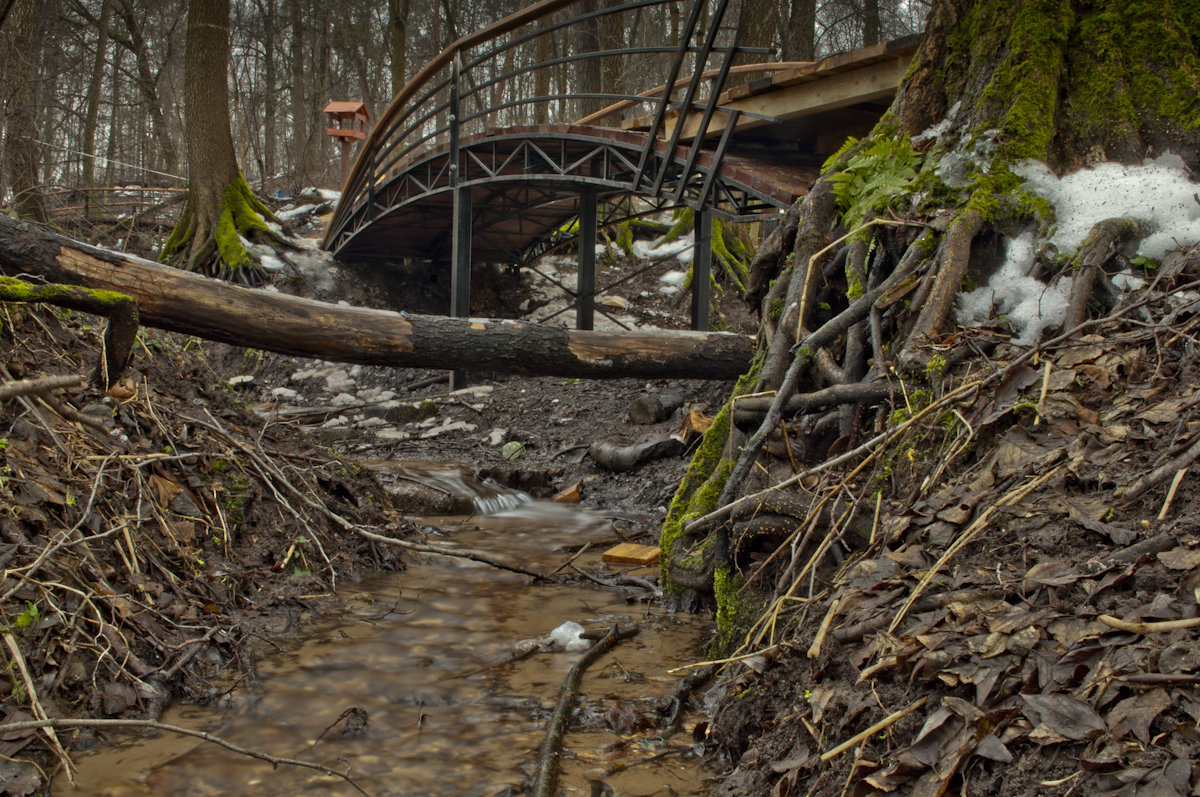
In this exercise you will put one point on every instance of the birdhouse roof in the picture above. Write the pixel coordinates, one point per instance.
(340, 107)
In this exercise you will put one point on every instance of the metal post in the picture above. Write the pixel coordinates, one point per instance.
(460, 233)
(585, 290)
(701, 268)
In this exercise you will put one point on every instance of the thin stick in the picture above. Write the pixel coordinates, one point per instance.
(36, 707)
(42, 384)
(546, 782)
(11, 727)
(1166, 507)
(1159, 627)
(814, 650)
(1041, 405)
(874, 729)
(459, 553)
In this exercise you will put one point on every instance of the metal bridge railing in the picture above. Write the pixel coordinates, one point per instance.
(522, 70)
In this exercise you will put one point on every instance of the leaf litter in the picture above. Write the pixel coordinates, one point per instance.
(1036, 592)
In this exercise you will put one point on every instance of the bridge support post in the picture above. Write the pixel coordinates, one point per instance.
(585, 290)
(701, 269)
(460, 268)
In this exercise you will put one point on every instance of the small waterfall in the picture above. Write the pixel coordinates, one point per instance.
(487, 505)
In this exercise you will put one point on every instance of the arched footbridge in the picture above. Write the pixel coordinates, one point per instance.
(535, 131)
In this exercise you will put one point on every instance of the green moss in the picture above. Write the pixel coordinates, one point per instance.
(241, 217)
(776, 311)
(706, 475)
(15, 290)
(730, 611)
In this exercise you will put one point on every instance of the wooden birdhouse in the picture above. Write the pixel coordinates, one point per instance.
(347, 123)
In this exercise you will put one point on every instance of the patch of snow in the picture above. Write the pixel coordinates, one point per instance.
(316, 266)
(270, 263)
(1127, 282)
(342, 400)
(1158, 191)
(473, 390)
(329, 195)
(284, 394)
(675, 278)
(1030, 305)
(291, 214)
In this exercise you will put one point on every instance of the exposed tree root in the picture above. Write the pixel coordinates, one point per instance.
(211, 241)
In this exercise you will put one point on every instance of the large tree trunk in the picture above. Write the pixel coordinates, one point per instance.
(1064, 82)
(221, 210)
(21, 153)
(176, 300)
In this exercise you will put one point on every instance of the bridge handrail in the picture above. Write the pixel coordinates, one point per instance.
(517, 19)
(394, 137)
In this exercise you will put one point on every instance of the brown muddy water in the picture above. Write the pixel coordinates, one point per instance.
(419, 652)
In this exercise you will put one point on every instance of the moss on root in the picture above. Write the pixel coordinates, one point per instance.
(705, 478)
(241, 217)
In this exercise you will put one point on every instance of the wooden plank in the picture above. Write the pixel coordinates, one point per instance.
(628, 553)
(803, 99)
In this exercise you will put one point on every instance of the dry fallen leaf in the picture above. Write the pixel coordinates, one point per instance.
(1180, 558)
(1059, 718)
(1134, 714)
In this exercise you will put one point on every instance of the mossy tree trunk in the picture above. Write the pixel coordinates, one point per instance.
(896, 218)
(221, 211)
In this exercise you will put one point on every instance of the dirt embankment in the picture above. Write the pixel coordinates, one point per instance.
(1012, 605)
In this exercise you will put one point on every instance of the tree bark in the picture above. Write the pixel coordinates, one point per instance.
(398, 35)
(799, 38)
(179, 301)
(20, 149)
(92, 113)
(221, 210)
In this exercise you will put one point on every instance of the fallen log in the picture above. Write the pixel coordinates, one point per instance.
(180, 301)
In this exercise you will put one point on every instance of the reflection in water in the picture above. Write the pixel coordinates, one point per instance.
(419, 655)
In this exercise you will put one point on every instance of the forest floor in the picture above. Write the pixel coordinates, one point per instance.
(1017, 616)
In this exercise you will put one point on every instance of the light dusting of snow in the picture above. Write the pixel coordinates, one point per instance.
(316, 266)
(658, 250)
(941, 128)
(1029, 304)
(271, 263)
(1158, 191)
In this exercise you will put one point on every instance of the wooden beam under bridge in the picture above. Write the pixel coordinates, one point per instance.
(176, 300)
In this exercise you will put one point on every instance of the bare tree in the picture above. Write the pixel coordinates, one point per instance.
(221, 209)
(21, 152)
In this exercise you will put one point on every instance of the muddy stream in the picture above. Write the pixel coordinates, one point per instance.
(418, 652)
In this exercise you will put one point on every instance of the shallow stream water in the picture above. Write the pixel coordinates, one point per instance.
(423, 654)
